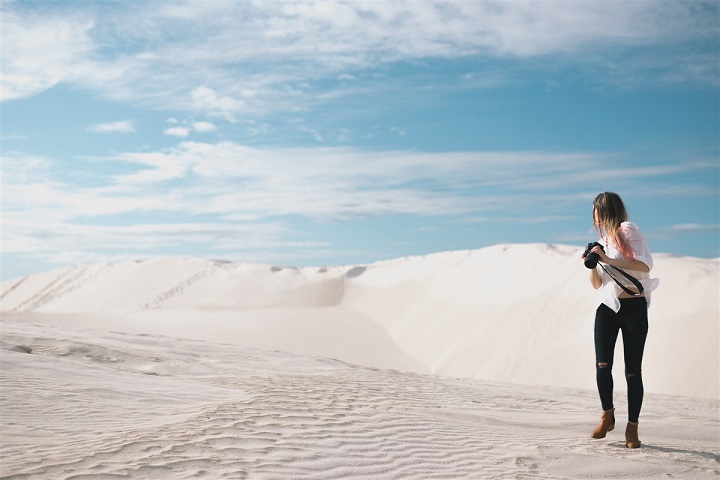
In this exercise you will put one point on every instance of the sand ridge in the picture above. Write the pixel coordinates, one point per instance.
(507, 313)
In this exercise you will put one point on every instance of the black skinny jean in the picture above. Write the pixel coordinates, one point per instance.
(632, 320)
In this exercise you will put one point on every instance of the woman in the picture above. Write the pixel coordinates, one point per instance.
(627, 249)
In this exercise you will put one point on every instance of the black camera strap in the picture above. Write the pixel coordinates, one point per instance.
(632, 279)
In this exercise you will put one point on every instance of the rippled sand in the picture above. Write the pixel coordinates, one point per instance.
(91, 404)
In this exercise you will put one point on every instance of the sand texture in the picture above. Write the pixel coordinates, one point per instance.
(154, 407)
(474, 364)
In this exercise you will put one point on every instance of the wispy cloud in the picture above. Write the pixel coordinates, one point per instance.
(235, 78)
(204, 127)
(232, 179)
(268, 56)
(177, 131)
(188, 127)
(230, 196)
(32, 237)
(523, 220)
(41, 50)
(686, 228)
(125, 126)
(694, 227)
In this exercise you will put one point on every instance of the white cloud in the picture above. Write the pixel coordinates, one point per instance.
(205, 99)
(162, 167)
(18, 168)
(236, 181)
(232, 179)
(184, 131)
(684, 229)
(519, 219)
(229, 180)
(125, 126)
(40, 51)
(204, 127)
(177, 131)
(692, 228)
(231, 196)
(257, 54)
(30, 236)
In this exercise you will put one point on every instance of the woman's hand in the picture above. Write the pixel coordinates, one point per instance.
(595, 279)
(601, 253)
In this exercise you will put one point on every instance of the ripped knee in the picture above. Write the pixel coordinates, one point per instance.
(631, 375)
(604, 365)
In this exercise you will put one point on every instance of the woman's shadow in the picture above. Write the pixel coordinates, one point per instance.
(697, 453)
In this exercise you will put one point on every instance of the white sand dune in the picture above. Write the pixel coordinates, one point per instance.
(509, 313)
(474, 364)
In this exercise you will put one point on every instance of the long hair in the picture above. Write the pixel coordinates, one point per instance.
(608, 213)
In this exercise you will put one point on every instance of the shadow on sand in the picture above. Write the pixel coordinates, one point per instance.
(680, 451)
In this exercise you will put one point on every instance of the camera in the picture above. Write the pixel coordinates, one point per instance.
(591, 259)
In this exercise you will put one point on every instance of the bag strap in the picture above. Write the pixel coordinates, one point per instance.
(632, 279)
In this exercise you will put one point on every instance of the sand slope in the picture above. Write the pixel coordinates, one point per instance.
(510, 313)
(187, 368)
(108, 405)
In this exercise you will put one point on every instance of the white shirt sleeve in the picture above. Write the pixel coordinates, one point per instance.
(637, 243)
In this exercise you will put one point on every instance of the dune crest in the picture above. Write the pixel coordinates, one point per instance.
(509, 313)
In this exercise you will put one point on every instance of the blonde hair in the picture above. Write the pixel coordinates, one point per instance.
(608, 215)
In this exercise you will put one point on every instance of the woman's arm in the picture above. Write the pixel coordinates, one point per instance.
(595, 279)
(620, 262)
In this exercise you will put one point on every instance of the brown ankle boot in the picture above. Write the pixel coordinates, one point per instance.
(607, 423)
(631, 435)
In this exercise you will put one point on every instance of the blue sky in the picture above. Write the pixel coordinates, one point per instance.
(316, 133)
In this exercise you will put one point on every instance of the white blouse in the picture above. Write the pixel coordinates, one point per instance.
(610, 290)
